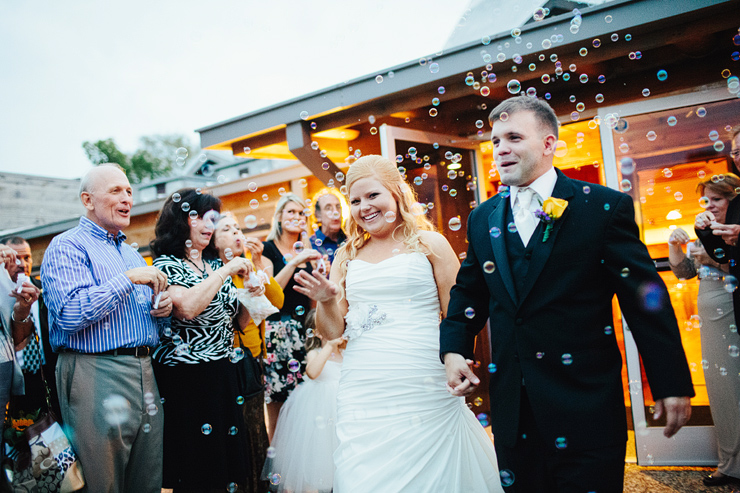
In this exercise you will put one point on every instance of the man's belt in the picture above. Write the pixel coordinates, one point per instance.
(139, 352)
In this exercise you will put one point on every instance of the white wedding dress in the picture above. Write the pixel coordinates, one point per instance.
(399, 429)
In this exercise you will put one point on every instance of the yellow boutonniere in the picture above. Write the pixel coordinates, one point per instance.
(552, 210)
(554, 207)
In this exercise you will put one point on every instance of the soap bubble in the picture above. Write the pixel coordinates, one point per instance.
(294, 365)
(514, 86)
(627, 165)
(455, 224)
(730, 283)
(206, 429)
(469, 312)
(250, 222)
(117, 409)
(489, 267)
(507, 477)
(236, 355)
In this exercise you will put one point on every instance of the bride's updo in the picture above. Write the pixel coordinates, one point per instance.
(407, 231)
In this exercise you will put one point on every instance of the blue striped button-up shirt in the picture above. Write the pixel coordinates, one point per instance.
(93, 305)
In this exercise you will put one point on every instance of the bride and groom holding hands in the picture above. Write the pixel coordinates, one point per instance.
(544, 260)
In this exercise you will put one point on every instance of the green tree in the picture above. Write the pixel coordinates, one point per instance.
(156, 155)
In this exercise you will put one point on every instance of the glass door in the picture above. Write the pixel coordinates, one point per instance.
(657, 151)
(444, 172)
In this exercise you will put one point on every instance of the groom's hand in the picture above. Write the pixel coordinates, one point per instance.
(677, 413)
(460, 377)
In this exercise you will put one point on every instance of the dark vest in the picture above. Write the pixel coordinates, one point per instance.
(519, 255)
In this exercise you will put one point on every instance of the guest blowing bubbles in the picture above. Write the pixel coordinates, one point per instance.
(285, 335)
(719, 342)
(15, 327)
(230, 243)
(203, 447)
(720, 238)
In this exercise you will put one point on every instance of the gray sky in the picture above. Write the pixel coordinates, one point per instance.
(88, 69)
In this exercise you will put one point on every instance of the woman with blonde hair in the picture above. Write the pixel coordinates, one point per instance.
(285, 357)
(398, 427)
(719, 337)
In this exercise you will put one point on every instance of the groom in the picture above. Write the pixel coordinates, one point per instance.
(545, 271)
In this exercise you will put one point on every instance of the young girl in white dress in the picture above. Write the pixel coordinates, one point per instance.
(399, 429)
(300, 459)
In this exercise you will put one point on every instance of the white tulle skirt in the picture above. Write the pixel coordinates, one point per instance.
(300, 459)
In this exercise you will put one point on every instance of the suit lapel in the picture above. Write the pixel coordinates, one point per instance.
(542, 250)
(497, 219)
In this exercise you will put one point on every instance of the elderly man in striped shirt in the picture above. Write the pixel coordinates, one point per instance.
(105, 308)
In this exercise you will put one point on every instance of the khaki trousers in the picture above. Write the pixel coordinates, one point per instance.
(106, 404)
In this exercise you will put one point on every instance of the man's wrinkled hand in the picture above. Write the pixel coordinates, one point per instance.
(148, 276)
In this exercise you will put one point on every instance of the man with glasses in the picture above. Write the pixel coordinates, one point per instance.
(329, 237)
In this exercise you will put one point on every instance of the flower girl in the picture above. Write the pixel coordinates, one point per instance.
(301, 456)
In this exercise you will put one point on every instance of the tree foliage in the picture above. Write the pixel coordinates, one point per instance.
(156, 155)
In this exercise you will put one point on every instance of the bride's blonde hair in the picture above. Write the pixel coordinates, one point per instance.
(410, 224)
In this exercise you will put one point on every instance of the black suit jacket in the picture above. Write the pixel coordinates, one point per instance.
(554, 336)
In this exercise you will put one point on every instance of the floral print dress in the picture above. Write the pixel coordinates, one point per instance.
(285, 336)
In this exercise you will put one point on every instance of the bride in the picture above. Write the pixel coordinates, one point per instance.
(399, 429)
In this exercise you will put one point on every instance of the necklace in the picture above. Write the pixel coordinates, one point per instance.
(202, 271)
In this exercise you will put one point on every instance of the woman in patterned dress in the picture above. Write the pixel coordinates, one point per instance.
(285, 361)
(204, 444)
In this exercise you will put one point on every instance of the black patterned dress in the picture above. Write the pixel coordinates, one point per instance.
(204, 443)
(285, 336)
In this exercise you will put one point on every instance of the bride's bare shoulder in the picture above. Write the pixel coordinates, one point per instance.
(432, 238)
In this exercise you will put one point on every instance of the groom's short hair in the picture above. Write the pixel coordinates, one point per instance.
(542, 111)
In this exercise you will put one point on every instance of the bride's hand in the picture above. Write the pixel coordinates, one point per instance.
(315, 286)
(460, 377)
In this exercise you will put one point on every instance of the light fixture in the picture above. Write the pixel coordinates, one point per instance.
(673, 215)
